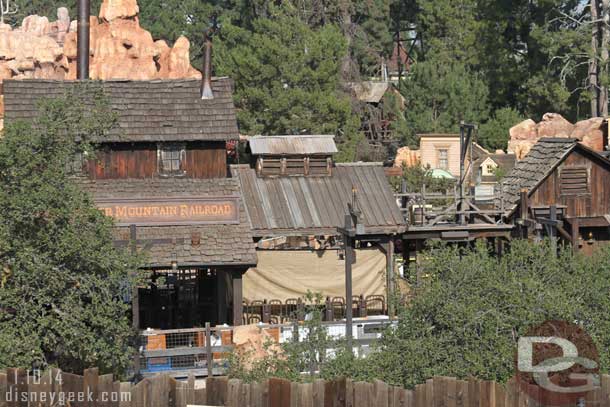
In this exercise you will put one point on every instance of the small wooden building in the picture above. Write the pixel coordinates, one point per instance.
(161, 172)
(296, 195)
(566, 175)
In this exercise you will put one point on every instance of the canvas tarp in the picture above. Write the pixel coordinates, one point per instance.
(282, 274)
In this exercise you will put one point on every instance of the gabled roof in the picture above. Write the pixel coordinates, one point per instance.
(157, 110)
(293, 145)
(220, 244)
(533, 169)
(301, 206)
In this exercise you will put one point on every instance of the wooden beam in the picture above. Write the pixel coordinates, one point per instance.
(135, 302)
(389, 256)
(238, 298)
(575, 234)
(221, 295)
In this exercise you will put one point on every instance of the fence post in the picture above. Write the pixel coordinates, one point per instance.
(208, 349)
(266, 312)
(361, 306)
(300, 310)
(328, 310)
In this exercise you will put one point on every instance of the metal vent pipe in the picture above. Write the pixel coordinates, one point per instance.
(206, 80)
(82, 52)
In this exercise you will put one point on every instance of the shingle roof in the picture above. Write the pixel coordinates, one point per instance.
(544, 156)
(317, 205)
(158, 110)
(220, 244)
(293, 145)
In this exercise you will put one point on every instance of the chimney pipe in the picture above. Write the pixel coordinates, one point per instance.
(82, 53)
(206, 82)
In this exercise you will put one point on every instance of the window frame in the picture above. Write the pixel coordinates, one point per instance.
(177, 149)
(440, 149)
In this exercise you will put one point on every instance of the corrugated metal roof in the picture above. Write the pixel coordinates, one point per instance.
(293, 145)
(318, 205)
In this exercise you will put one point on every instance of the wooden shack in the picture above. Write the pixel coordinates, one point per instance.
(161, 173)
(560, 187)
(296, 210)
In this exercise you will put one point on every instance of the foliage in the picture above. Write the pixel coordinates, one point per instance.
(493, 134)
(287, 76)
(418, 176)
(442, 93)
(472, 307)
(309, 354)
(63, 282)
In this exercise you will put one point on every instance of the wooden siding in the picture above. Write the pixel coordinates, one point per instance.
(139, 160)
(206, 160)
(595, 202)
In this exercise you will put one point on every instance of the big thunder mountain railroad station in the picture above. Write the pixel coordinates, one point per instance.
(163, 175)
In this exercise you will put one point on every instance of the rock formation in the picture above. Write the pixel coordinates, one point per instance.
(525, 134)
(406, 157)
(254, 344)
(120, 48)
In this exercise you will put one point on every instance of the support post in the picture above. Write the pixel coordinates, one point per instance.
(575, 234)
(389, 257)
(553, 227)
(221, 294)
(135, 302)
(208, 350)
(523, 212)
(349, 256)
(238, 298)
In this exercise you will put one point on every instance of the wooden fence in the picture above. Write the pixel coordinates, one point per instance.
(55, 388)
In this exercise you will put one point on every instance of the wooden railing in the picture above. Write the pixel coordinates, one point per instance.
(431, 208)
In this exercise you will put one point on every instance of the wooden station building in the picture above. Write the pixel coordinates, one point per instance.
(295, 193)
(161, 173)
(560, 188)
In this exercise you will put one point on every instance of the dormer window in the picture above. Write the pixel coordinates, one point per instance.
(171, 159)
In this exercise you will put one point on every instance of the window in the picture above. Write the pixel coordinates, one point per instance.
(170, 158)
(490, 169)
(76, 165)
(443, 159)
(574, 181)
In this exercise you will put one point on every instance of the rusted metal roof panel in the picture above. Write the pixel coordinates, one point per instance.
(318, 205)
(293, 145)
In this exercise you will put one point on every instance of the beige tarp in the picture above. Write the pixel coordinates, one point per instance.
(289, 274)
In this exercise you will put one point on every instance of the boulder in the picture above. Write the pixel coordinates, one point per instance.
(114, 9)
(554, 125)
(407, 157)
(36, 25)
(590, 133)
(254, 344)
(526, 130)
(520, 147)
